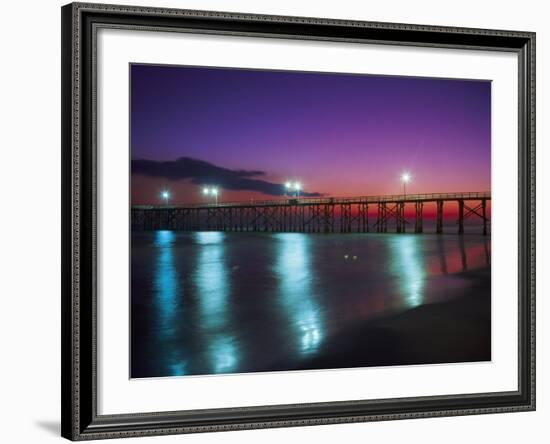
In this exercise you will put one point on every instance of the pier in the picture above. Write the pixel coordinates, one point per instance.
(363, 214)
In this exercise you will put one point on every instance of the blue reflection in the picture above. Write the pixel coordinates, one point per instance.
(409, 268)
(167, 292)
(178, 369)
(209, 237)
(224, 353)
(293, 269)
(212, 282)
(212, 279)
(166, 281)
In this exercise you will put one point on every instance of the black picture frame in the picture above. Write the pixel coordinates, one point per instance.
(79, 385)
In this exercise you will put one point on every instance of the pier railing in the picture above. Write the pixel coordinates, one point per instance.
(313, 214)
(421, 197)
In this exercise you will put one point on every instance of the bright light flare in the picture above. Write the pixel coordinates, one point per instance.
(406, 177)
(297, 186)
(214, 191)
(206, 191)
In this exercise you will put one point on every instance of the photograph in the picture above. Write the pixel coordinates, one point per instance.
(300, 220)
(271, 219)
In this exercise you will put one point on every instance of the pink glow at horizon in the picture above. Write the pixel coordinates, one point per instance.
(340, 135)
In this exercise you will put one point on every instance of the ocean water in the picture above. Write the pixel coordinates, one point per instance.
(221, 302)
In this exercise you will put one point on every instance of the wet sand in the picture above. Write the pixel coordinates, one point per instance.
(458, 330)
(222, 303)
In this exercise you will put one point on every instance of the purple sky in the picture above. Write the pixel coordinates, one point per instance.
(339, 134)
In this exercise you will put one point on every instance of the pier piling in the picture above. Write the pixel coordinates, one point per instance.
(312, 215)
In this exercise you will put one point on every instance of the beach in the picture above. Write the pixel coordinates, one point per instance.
(222, 303)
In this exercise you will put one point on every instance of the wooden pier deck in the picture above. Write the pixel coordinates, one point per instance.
(317, 215)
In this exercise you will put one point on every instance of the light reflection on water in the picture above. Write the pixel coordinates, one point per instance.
(409, 268)
(214, 302)
(211, 280)
(295, 282)
(168, 290)
(213, 286)
(166, 280)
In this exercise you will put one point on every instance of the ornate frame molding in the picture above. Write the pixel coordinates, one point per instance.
(80, 22)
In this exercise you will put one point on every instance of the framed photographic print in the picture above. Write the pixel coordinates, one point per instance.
(280, 221)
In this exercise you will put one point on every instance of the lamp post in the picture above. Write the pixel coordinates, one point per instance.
(165, 195)
(213, 191)
(297, 188)
(288, 186)
(405, 178)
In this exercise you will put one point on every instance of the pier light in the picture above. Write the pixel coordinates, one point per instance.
(165, 195)
(297, 186)
(405, 178)
(211, 191)
(288, 187)
(215, 192)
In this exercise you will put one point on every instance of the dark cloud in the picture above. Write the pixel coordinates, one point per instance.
(200, 172)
